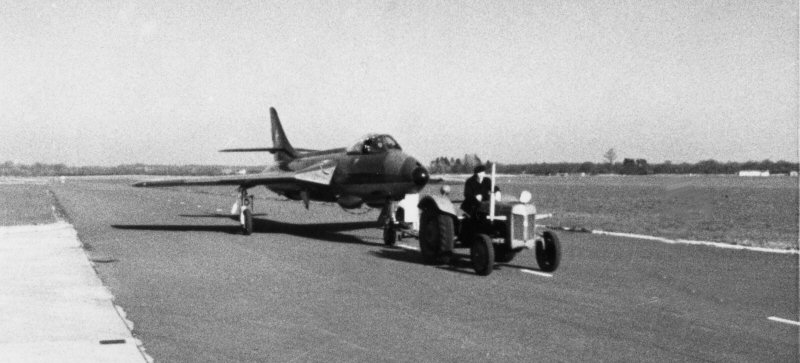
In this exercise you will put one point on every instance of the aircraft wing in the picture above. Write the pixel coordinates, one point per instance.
(320, 173)
(263, 149)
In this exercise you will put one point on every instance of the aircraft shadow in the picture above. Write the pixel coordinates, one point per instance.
(233, 217)
(180, 228)
(319, 231)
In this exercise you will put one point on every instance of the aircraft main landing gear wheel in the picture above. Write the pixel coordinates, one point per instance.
(389, 217)
(482, 254)
(247, 222)
(389, 235)
(548, 252)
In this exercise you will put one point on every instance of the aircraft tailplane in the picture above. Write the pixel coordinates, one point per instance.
(279, 141)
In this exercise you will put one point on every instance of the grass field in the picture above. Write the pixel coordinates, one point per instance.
(23, 204)
(746, 211)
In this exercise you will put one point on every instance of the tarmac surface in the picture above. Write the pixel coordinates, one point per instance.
(320, 285)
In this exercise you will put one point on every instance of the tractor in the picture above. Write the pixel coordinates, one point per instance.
(499, 231)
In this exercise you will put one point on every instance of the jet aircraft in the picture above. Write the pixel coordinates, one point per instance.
(374, 171)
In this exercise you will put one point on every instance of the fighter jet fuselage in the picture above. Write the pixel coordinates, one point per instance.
(374, 171)
(362, 175)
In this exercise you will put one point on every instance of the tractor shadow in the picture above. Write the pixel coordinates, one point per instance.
(328, 232)
(498, 266)
(399, 254)
(463, 265)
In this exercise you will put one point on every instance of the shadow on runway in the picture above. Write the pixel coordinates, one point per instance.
(318, 231)
(463, 265)
(399, 255)
(518, 267)
(180, 228)
(232, 217)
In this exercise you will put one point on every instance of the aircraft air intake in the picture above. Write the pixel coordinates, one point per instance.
(420, 176)
(413, 171)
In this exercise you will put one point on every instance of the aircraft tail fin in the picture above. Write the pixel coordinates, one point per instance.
(285, 151)
(281, 147)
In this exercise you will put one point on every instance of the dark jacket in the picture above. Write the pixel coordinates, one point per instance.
(473, 188)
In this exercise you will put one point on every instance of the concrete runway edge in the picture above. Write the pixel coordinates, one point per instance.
(53, 305)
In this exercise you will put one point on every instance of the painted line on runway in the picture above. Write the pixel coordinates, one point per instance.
(785, 321)
(537, 273)
(695, 243)
(407, 247)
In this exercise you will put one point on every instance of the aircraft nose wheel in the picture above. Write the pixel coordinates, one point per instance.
(389, 235)
(246, 213)
(247, 222)
(391, 226)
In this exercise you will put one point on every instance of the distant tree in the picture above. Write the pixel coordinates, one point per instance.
(628, 167)
(59, 169)
(470, 162)
(610, 155)
(663, 168)
(710, 166)
(440, 165)
(783, 167)
(587, 167)
(635, 167)
(458, 167)
(643, 168)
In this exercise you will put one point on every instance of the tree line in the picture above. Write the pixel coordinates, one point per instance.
(445, 165)
(440, 165)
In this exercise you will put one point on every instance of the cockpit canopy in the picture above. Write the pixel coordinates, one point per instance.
(374, 144)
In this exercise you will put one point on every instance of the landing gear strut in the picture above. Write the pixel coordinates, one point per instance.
(245, 204)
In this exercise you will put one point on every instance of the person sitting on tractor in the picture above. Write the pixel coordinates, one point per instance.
(476, 190)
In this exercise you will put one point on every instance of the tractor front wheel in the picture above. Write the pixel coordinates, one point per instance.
(548, 252)
(482, 254)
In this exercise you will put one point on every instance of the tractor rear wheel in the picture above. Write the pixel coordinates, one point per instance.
(435, 235)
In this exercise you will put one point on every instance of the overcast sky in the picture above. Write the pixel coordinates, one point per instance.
(110, 82)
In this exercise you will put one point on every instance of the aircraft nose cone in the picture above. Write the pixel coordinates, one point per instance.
(420, 176)
(413, 172)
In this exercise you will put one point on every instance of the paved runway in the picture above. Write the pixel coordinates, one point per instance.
(319, 285)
